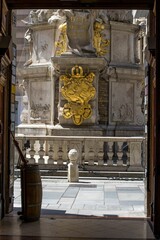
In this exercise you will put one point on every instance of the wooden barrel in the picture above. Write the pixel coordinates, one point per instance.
(31, 189)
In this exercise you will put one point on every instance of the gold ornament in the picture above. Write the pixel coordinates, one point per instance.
(78, 90)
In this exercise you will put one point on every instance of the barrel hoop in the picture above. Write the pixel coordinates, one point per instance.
(34, 205)
(33, 184)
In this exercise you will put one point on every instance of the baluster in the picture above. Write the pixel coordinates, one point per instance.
(32, 152)
(100, 154)
(41, 152)
(50, 153)
(60, 156)
(110, 153)
(65, 152)
(83, 155)
(91, 157)
(115, 157)
(128, 156)
(120, 153)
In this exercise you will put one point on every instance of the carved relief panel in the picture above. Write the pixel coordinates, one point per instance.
(125, 102)
(121, 102)
(40, 105)
(42, 45)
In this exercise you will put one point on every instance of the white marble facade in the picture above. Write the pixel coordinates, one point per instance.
(103, 42)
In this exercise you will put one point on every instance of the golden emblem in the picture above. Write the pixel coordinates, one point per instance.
(78, 90)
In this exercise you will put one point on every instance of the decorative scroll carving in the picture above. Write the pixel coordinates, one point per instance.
(99, 42)
(78, 91)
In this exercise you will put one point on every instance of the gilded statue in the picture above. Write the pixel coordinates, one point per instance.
(62, 42)
(78, 90)
(99, 42)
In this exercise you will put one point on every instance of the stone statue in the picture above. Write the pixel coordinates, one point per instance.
(29, 46)
(81, 32)
(120, 15)
(38, 16)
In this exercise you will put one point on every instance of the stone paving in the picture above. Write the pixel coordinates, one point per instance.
(90, 197)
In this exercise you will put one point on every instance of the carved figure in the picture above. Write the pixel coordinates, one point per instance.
(99, 42)
(62, 43)
(78, 91)
(29, 45)
(56, 16)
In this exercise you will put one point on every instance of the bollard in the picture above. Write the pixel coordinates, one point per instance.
(73, 172)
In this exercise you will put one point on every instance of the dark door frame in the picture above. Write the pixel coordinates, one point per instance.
(12, 4)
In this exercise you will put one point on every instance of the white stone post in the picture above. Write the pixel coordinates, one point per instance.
(135, 156)
(73, 173)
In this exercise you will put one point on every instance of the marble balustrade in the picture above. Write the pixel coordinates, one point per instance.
(94, 153)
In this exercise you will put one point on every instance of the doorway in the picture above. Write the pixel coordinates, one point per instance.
(121, 116)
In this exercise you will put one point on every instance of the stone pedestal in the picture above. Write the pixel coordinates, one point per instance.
(73, 172)
(38, 100)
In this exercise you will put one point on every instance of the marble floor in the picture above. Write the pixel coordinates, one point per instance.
(75, 227)
(90, 197)
(90, 209)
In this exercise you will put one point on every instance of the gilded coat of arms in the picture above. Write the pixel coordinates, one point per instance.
(78, 90)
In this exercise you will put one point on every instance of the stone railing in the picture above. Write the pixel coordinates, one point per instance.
(95, 153)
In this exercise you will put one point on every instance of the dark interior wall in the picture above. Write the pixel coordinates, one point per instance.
(101, 4)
